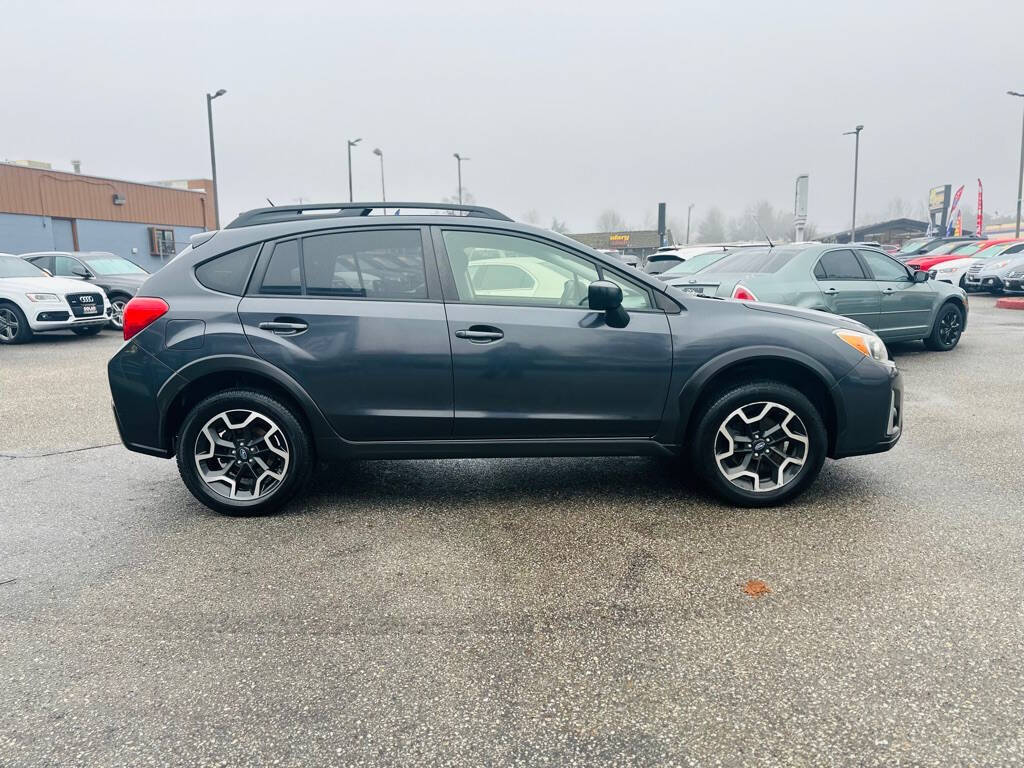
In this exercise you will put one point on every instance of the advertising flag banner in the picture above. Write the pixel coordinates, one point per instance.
(953, 209)
(959, 223)
(981, 218)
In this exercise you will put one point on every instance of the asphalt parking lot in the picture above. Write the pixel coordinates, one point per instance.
(535, 612)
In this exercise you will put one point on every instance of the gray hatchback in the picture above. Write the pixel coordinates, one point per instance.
(318, 332)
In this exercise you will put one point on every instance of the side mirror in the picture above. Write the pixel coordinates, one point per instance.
(605, 296)
(921, 276)
(48, 272)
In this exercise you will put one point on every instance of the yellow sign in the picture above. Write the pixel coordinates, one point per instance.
(619, 239)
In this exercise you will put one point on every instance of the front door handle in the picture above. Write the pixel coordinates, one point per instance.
(480, 334)
(284, 327)
(831, 292)
(889, 290)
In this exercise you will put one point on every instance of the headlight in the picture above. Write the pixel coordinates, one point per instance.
(867, 344)
(41, 297)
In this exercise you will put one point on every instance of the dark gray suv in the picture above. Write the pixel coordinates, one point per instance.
(321, 332)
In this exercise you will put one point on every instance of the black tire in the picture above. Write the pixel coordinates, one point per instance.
(298, 444)
(87, 330)
(117, 302)
(947, 328)
(706, 435)
(14, 325)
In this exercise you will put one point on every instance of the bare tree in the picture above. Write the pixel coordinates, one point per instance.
(531, 217)
(610, 221)
(561, 227)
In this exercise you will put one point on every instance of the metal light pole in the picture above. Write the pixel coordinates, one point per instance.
(458, 160)
(856, 160)
(383, 196)
(213, 156)
(689, 210)
(1020, 177)
(351, 143)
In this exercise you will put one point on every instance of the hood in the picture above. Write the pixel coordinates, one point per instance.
(58, 285)
(127, 283)
(825, 318)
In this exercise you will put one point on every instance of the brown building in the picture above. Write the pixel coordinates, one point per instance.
(42, 209)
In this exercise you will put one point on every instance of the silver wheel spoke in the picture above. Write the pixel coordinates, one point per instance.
(761, 446)
(242, 454)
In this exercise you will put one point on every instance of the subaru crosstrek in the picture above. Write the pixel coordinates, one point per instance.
(303, 334)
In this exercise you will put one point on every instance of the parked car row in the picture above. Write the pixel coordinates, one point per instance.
(57, 290)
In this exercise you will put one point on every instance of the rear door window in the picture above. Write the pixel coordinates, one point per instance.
(839, 265)
(375, 264)
(283, 276)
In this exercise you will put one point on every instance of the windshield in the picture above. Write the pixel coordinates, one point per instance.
(912, 245)
(12, 266)
(757, 260)
(991, 251)
(113, 265)
(700, 261)
(944, 248)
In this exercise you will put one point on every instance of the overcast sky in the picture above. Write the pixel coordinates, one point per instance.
(564, 108)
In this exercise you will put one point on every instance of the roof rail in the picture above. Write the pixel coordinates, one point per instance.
(332, 210)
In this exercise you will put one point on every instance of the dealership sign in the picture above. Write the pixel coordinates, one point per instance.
(622, 239)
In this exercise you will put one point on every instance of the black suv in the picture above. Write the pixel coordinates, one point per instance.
(317, 332)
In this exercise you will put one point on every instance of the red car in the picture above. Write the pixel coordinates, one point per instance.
(951, 251)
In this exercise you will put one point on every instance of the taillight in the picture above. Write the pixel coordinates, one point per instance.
(743, 294)
(140, 312)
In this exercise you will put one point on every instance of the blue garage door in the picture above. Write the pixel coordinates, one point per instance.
(63, 237)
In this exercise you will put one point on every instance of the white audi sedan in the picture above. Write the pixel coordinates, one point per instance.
(32, 301)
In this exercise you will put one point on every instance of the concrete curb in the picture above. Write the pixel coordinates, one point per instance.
(1010, 303)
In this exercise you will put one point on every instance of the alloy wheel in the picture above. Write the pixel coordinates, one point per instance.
(9, 325)
(242, 455)
(117, 313)
(950, 328)
(761, 446)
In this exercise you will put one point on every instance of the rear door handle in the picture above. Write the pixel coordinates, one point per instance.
(831, 292)
(480, 334)
(889, 290)
(284, 327)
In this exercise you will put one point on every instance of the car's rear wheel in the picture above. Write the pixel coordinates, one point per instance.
(759, 444)
(243, 452)
(13, 325)
(948, 327)
(87, 330)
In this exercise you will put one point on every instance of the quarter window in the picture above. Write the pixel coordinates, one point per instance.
(883, 267)
(377, 264)
(839, 265)
(228, 273)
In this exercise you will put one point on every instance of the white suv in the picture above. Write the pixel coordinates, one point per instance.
(31, 301)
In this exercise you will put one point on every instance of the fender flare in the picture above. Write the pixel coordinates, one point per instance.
(694, 387)
(221, 364)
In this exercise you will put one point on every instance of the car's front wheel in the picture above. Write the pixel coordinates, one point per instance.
(759, 444)
(13, 325)
(948, 327)
(117, 305)
(243, 452)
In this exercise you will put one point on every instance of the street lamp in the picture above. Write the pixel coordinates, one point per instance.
(351, 143)
(1020, 176)
(689, 210)
(458, 160)
(856, 159)
(213, 156)
(377, 151)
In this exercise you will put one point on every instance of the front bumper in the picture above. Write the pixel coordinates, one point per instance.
(872, 395)
(984, 282)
